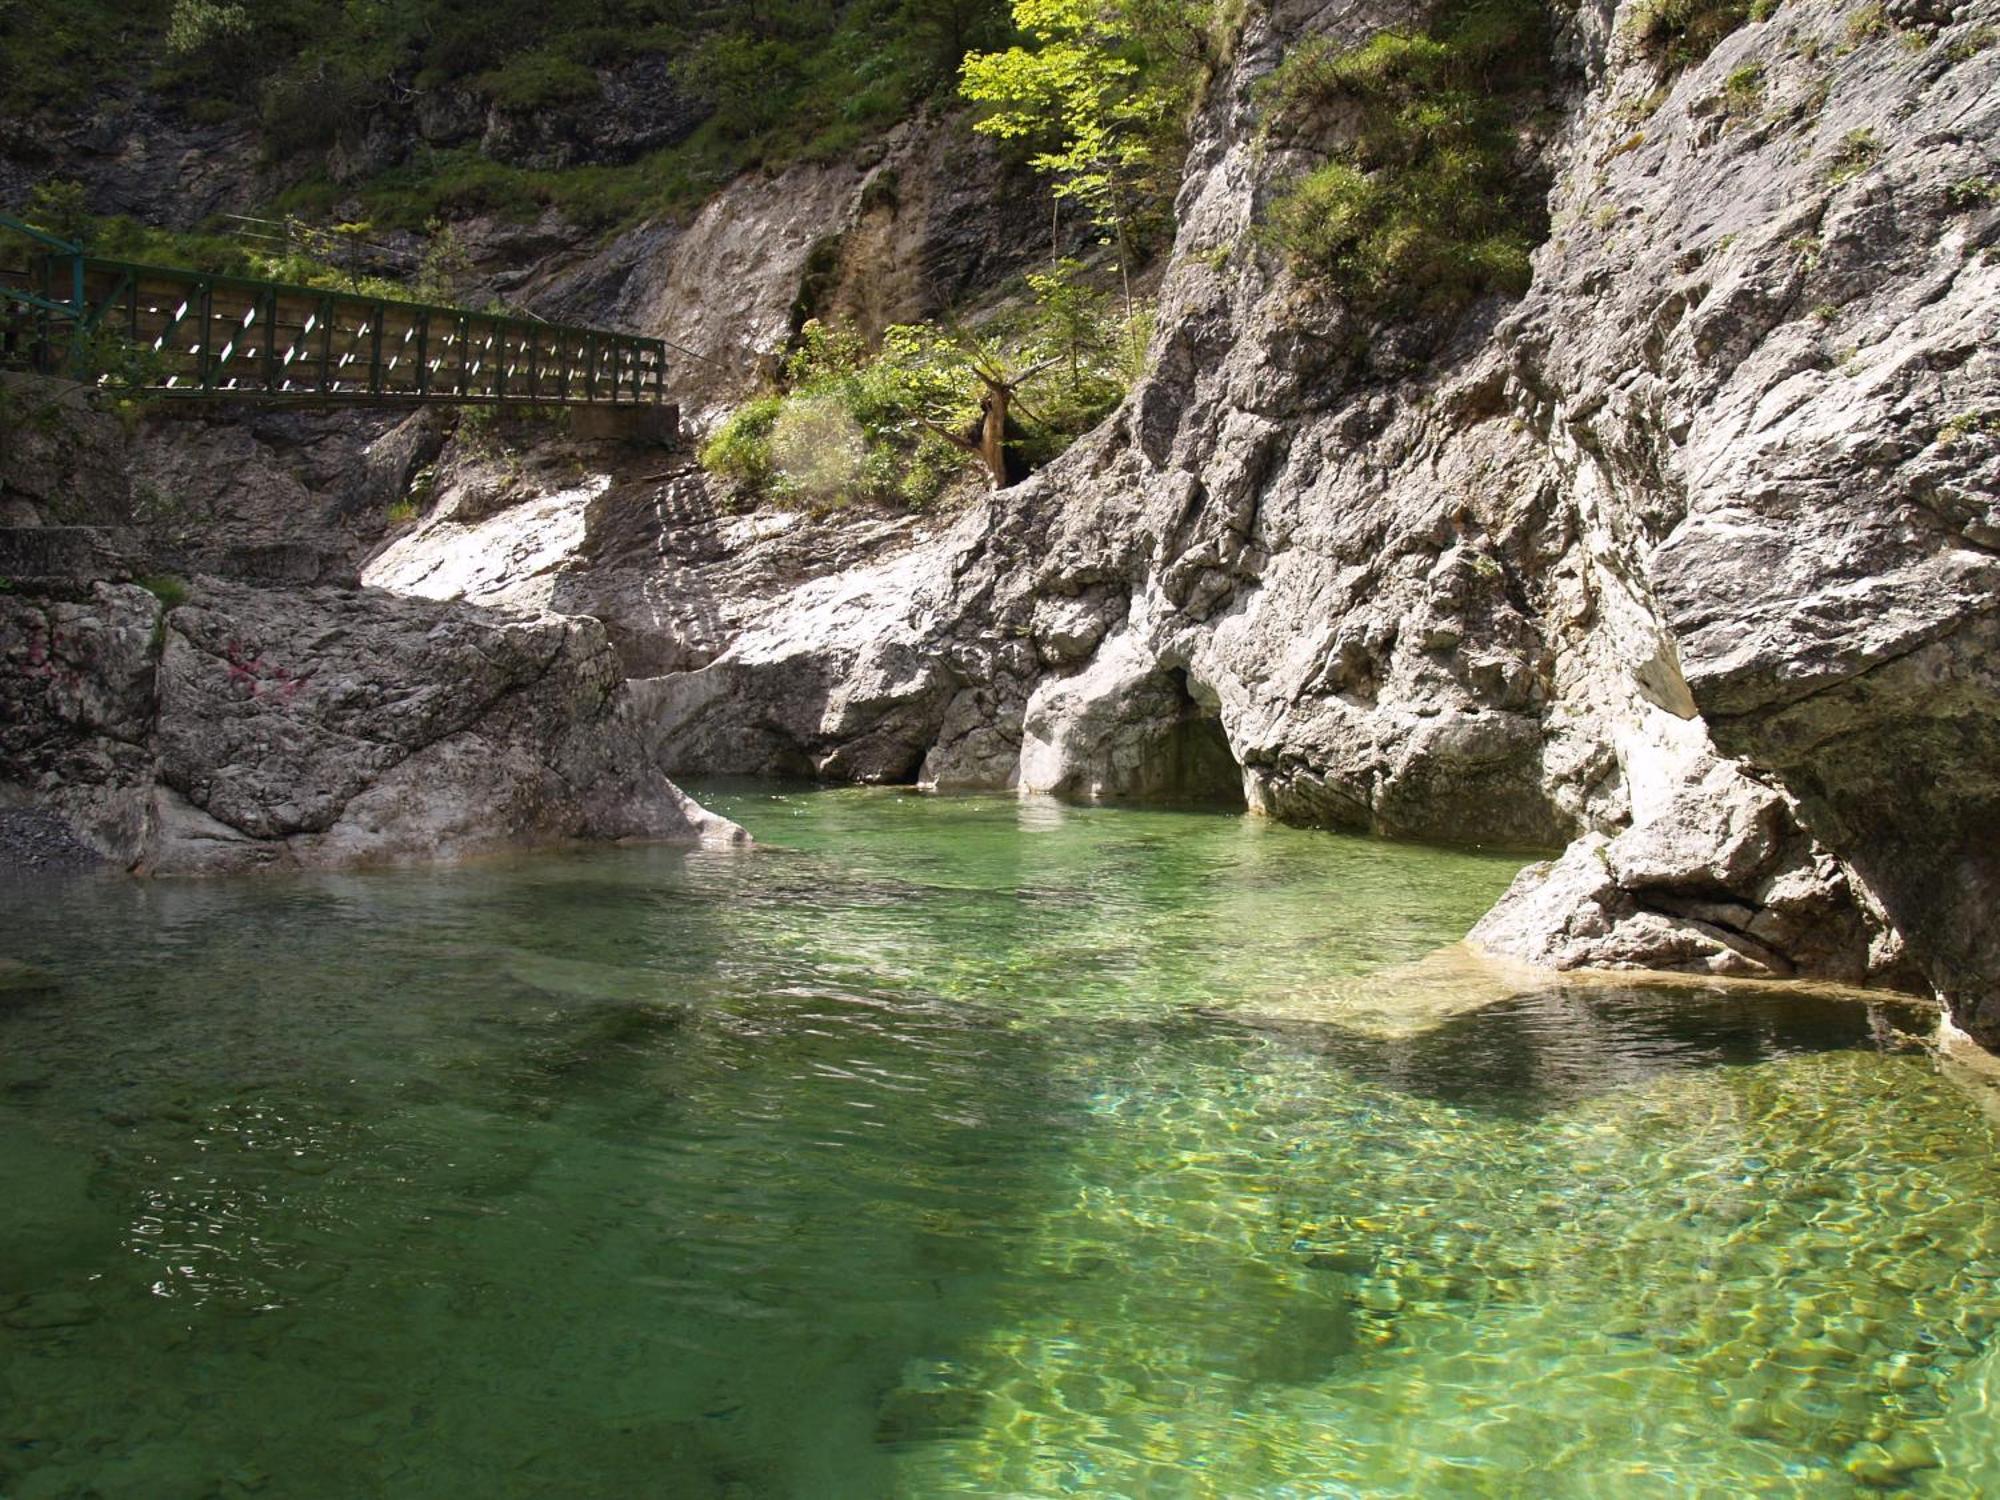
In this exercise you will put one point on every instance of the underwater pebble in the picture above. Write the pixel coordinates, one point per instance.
(1347, 1262)
(1887, 1466)
(1753, 1419)
(1380, 1294)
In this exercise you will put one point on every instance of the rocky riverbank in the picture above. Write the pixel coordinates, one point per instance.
(1684, 563)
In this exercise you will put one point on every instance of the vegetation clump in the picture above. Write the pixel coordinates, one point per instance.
(171, 591)
(1866, 25)
(1425, 204)
(1677, 34)
(1972, 192)
(895, 421)
(57, 205)
(1968, 424)
(1743, 91)
(1857, 152)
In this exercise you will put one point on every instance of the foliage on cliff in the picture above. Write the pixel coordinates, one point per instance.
(1425, 201)
(761, 83)
(896, 422)
(1679, 33)
(58, 205)
(1099, 91)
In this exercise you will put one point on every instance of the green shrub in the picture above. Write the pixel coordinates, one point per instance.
(1972, 44)
(57, 205)
(1868, 23)
(856, 421)
(1423, 206)
(1743, 91)
(602, 46)
(1677, 34)
(540, 80)
(195, 25)
(1968, 424)
(1972, 192)
(1857, 152)
(311, 109)
(741, 447)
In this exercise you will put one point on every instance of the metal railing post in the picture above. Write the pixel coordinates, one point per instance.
(326, 345)
(270, 316)
(205, 336)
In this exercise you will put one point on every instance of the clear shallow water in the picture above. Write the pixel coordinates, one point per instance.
(954, 1147)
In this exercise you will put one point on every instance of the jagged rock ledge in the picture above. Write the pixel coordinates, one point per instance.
(252, 728)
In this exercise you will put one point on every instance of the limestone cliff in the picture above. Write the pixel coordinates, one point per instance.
(1687, 556)
(1684, 560)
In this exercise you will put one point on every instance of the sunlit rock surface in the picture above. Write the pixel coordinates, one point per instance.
(1687, 555)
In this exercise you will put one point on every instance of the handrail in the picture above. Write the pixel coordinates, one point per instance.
(300, 289)
(8, 221)
(249, 337)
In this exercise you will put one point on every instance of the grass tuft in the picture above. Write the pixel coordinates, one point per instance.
(172, 592)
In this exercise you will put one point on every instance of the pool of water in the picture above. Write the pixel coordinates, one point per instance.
(955, 1146)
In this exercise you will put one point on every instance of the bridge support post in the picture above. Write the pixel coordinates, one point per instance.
(655, 424)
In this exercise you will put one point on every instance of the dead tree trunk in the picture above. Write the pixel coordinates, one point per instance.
(991, 436)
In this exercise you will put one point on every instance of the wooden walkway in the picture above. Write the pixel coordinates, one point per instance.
(187, 333)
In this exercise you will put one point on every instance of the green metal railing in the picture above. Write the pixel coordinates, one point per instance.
(186, 333)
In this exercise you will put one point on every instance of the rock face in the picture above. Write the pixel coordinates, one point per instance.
(135, 158)
(934, 215)
(1686, 560)
(1688, 556)
(1724, 881)
(263, 496)
(251, 728)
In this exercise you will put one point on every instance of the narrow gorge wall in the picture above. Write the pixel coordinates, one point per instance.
(1683, 563)
(1685, 560)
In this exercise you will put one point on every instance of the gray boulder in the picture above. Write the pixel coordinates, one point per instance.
(253, 728)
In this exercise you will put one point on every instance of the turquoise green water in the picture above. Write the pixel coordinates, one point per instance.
(955, 1147)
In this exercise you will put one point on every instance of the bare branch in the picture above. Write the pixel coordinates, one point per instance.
(1035, 369)
(957, 440)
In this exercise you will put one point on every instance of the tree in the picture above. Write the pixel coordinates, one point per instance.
(919, 378)
(948, 29)
(1073, 312)
(993, 437)
(1101, 98)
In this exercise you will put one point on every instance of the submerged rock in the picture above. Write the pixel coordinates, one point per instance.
(50, 1310)
(32, 839)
